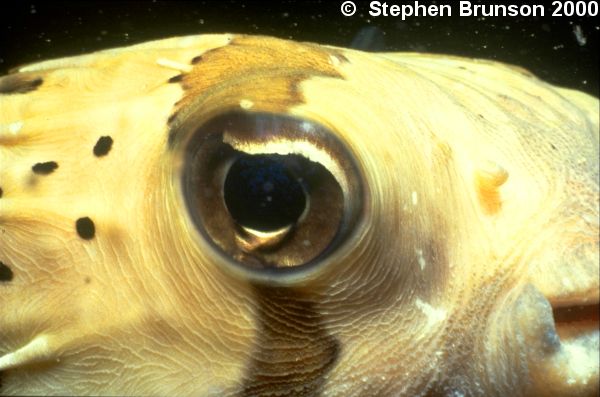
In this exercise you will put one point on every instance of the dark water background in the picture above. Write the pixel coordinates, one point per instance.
(32, 31)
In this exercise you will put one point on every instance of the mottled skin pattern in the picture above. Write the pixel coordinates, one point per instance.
(478, 229)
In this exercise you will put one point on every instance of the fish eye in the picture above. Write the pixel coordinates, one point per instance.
(272, 194)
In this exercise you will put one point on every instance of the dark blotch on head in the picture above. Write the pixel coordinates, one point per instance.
(85, 228)
(103, 146)
(284, 64)
(5, 273)
(293, 350)
(1, 192)
(45, 168)
(19, 84)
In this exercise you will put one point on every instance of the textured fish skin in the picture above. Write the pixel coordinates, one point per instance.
(472, 269)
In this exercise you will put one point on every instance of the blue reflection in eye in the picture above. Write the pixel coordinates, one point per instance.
(263, 191)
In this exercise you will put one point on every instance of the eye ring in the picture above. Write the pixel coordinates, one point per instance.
(297, 155)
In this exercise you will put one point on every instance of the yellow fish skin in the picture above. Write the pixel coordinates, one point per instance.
(428, 225)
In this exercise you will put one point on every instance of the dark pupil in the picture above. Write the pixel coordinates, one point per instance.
(262, 192)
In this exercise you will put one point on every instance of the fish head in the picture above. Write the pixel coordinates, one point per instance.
(242, 215)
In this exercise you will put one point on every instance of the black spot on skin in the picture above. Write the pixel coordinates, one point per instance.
(45, 168)
(1, 192)
(103, 146)
(5, 273)
(85, 228)
(293, 351)
(176, 79)
(19, 84)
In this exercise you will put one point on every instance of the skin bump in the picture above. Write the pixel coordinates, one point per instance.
(489, 177)
(85, 228)
(103, 146)
(44, 168)
(6, 273)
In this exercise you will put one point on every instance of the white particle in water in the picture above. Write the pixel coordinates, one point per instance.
(579, 36)
(268, 186)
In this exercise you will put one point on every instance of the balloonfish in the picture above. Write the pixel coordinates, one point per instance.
(231, 215)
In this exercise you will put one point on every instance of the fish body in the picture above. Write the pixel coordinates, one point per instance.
(446, 243)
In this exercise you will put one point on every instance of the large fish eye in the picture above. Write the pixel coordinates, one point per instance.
(271, 193)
